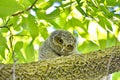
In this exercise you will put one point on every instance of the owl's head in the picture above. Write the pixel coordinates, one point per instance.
(62, 42)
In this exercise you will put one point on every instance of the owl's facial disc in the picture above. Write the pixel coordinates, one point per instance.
(70, 47)
(58, 40)
(63, 46)
(67, 48)
(63, 42)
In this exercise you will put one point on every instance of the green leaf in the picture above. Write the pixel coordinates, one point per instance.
(118, 2)
(4, 30)
(53, 14)
(20, 58)
(18, 46)
(101, 22)
(107, 23)
(54, 23)
(60, 21)
(2, 51)
(44, 4)
(86, 24)
(104, 9)
(3, 41)
(29, 53)
(116, 76)
(31, 23)
(23, 33)
(111, 40)
(101, 1)
(41, 14)
(32, 1)
(88, 46)
(102, 43)
(78, 1)
(67, 4)
(117, 15)
(25, 4)
(75, 22)
(111, 2)
(8, 7)
(16, 20)
(3, 45)
(81, 10)
(43, 32)
(104, 22)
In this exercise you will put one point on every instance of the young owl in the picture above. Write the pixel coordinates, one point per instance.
(59, 43)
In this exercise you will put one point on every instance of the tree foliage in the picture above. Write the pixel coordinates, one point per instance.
(25, 24)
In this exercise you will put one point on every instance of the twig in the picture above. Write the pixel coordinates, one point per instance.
(25, 10)
(6, 26)
(12, 50)
(13, 54)
(11, 44)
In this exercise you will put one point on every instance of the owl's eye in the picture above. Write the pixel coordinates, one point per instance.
(58, 40)
(70, 47)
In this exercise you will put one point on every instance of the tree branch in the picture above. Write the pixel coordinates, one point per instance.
(25, 10)
(92, 66)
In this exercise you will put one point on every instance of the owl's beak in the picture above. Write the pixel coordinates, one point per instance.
(62, 49)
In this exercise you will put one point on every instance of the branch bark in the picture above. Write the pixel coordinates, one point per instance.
(92, 66)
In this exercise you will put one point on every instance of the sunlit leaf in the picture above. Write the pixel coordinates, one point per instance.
(81, 10)
(3, 41)
(102, 1)
(31, 23)
(24, 3)
(41, 14)
(4, 30)
(32, 1)
(107, 23)
(3, 45)
(86, 24)
(116, 76)
(20, 58)
(54, 23)
(102, 43)
(18, 46)
(23, 33)
(61, 21)
(111, 2)
(84, 48)
(8, 7)
(53, 14)
(43, 4)
(117, 15)
(104, 22)
(29, 53)
(111, 40)
(104, 9)
(44, 32)
(75, 22)
(2, 51)
(69, 3)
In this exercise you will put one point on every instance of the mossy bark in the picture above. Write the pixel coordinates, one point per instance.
(92, 66)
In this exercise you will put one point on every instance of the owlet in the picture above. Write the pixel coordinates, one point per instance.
(59, 43)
